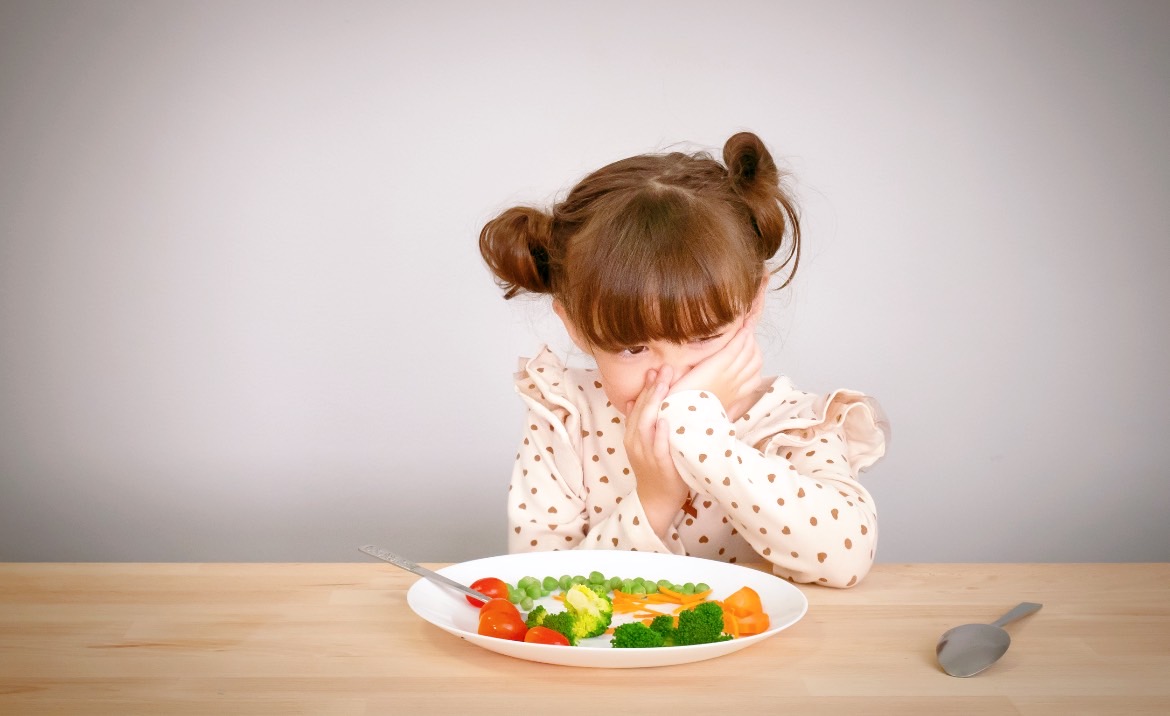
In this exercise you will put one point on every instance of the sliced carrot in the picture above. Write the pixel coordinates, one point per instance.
(743, 612)
(730, 623)
(756, 623)
(681, 598)
(743, 602)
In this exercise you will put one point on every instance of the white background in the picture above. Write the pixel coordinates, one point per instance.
(243, 315)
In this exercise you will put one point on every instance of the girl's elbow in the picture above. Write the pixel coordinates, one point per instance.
(852, 572)
(841, 566)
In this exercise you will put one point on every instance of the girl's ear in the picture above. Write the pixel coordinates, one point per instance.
(569, 327)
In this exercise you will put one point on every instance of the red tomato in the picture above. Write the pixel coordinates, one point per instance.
(489, 587)
(499, 605)
(502, 623)
(544, 635)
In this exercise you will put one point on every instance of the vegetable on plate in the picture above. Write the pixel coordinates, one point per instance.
(691, 617)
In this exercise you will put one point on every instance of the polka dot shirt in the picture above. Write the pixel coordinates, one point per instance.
(779, 483)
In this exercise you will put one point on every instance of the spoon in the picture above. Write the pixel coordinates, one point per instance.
(968, 649)
(404, 563)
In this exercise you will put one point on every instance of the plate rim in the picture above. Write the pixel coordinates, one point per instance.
(604, 656)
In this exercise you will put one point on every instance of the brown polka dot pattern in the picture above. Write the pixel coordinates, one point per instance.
(752, 495)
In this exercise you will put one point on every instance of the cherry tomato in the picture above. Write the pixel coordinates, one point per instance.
(489, 587)
(502, 623)
(544, 635)
(498, 605)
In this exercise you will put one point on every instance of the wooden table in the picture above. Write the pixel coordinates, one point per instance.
(339, 639)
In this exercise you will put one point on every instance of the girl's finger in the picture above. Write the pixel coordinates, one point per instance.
(736, 364)
(646, 383)
(666, 376)
(641, 418)
(737, 346)
(751, 359)
(662, 445)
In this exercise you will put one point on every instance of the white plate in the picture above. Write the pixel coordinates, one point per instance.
(450, 611)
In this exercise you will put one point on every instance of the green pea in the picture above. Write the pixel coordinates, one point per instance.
(549, 584)
(639, 589)
(514, 595)
(579, 579)
(526, 604)
(688, 588)
(596, 578)
(565, 582)
(665, 583)
(533, 591)
(627, 585)
(702, 587)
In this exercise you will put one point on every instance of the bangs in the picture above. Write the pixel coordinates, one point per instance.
(656, 275)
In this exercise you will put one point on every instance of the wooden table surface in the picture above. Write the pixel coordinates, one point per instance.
(339, 639)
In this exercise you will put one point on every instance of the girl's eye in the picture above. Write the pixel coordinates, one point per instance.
(633, 350)
(707, 339)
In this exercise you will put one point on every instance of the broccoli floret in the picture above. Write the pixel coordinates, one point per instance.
(601, 589)
(559, 622)
(587, 614)
(701, 625)
(636, 635)
(562, 622)
(663, 624)
(591, 612)
(536, 617)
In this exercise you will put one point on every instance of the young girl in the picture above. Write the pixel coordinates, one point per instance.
(658, 265)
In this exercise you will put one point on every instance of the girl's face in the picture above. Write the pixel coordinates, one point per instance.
(623, 374)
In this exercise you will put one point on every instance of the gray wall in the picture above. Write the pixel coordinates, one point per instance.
(242, 315)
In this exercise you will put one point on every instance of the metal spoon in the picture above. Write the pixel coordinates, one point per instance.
(404, 563)
(968, 649)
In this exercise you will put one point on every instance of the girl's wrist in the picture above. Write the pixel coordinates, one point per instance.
(661, 508)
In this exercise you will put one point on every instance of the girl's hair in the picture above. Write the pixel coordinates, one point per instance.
(655, 247)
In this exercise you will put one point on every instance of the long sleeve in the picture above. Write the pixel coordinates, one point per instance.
(791, 493)
(571, 486)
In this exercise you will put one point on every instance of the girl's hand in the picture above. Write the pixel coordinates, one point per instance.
(661, 489)
(732, 373)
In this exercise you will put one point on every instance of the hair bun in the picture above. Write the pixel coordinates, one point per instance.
(515, 247)
(753, 175)
(748, 162)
